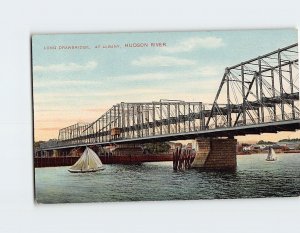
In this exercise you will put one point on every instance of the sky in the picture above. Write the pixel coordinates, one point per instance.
(79, 84)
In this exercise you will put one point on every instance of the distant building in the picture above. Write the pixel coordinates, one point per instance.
(263, 146)
(256, 147)
(291, 145)
(247, 148)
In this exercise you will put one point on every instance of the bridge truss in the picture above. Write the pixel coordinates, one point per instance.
(263, 89)
(135, 120)
(259, 93)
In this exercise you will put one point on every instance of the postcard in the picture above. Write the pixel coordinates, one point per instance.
(158, 116)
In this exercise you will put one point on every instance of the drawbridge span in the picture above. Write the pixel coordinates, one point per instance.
(260, 95)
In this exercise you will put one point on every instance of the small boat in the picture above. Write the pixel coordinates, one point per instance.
(88, 162)
(271, 155)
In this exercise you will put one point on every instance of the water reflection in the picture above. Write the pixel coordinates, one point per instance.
(253, 178)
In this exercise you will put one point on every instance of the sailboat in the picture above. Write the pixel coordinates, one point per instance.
(271, 155)
(88, 162)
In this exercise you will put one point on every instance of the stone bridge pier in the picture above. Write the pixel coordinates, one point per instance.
(215, 154)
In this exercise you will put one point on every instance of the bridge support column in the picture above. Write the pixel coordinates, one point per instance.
(55, 153)
(215, 154)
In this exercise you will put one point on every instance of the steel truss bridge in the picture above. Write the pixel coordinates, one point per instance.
(260, 95)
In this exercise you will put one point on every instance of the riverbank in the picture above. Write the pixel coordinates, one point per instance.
(266, 152)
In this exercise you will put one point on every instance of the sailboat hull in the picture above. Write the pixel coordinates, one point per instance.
(85, 171)
(271, 159)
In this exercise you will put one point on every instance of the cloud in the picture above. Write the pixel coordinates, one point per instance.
(49, 128)
(209, 76)
(66, 67)
(63, 83)
(96, 109)
(145, 76)
(208, 71)
(162, 61)
(58, 96)
(201, 71)
(195, 43)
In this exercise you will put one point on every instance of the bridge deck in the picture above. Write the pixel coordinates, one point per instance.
(260, 95)
(271, 127)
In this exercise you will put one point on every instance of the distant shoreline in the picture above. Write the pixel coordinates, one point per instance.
(266, 152)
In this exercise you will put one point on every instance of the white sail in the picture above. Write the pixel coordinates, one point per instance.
(88, 162)
(271, 155)
(273, 152)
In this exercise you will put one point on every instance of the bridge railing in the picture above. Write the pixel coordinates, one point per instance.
(256, 91)
(256, 121)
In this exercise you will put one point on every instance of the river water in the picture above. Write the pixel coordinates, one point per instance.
(254, 178)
